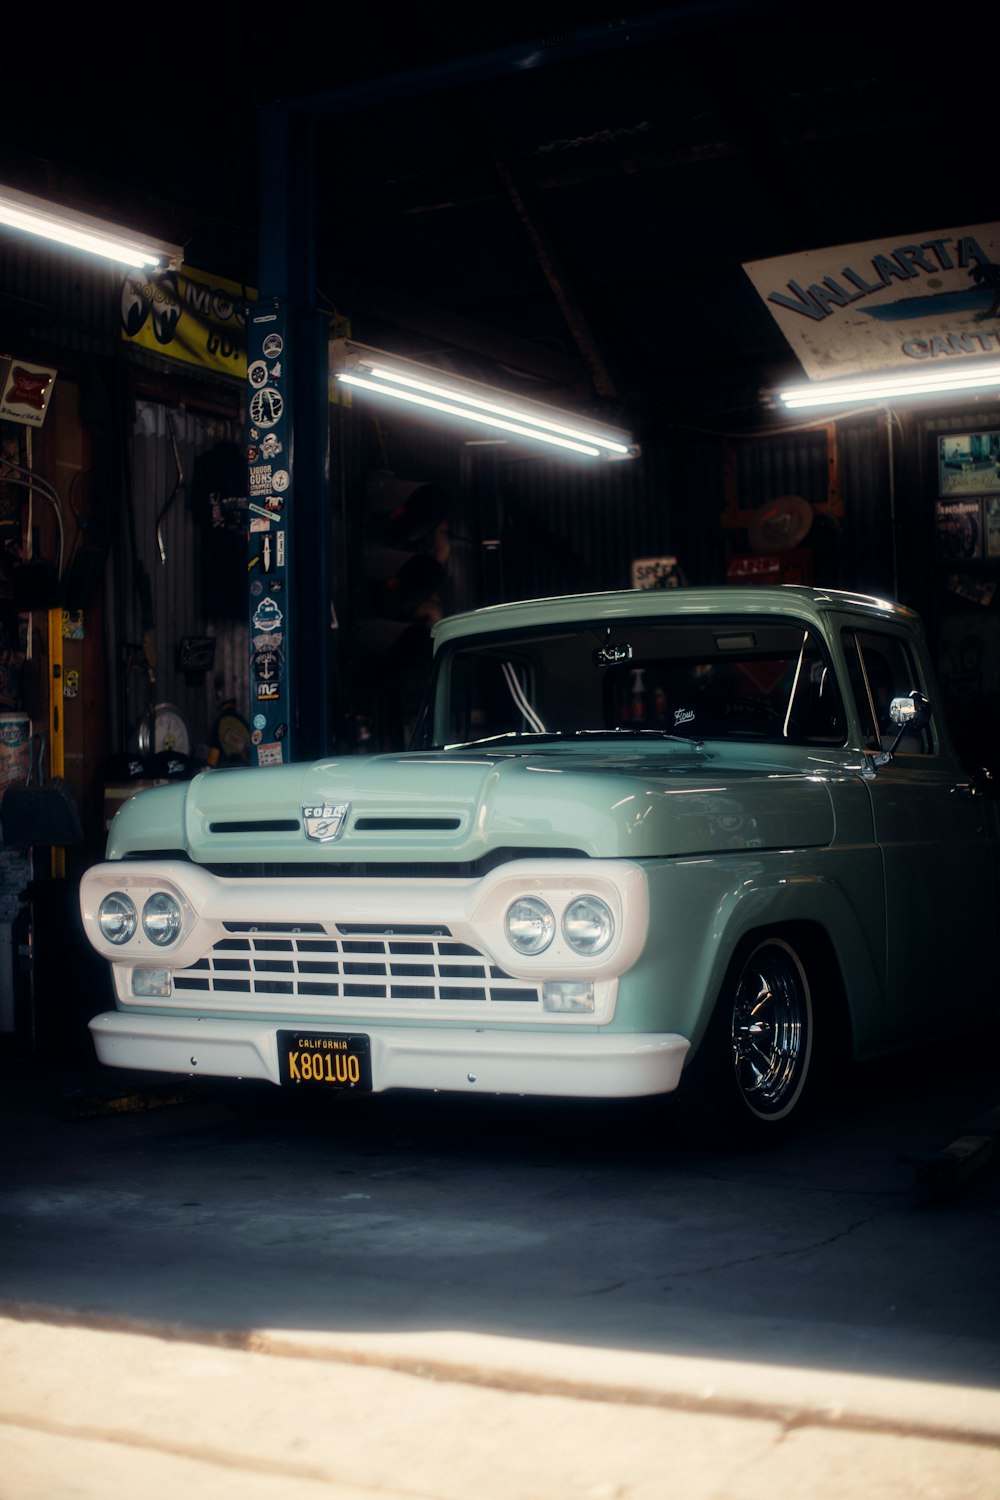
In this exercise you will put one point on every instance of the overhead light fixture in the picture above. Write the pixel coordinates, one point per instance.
(66, 226)
(420, 386)
(969, 376)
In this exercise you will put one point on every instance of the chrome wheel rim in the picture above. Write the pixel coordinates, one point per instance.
(772, 1030)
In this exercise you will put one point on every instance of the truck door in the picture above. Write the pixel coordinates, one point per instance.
(940, 901)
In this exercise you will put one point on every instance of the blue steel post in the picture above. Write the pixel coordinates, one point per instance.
(269, 535)
(291, 687)
(287, 276)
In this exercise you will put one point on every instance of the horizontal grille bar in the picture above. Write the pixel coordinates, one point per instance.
(397, 929)
(274, 926)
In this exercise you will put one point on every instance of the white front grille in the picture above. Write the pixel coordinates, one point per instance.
(311, 964)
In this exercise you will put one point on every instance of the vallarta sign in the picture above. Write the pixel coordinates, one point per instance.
(887, 304)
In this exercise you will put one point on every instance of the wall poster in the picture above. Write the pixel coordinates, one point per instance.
(960, 529)
(991, 528)
(969, 463)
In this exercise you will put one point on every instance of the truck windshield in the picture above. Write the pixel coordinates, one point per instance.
(763, 680)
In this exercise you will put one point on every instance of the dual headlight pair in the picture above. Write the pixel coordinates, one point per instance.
(588, 925)
(161, 918)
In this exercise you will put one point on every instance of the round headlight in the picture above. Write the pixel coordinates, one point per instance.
(116, 917)
(529, 924)
(588, 925)
(161, 918)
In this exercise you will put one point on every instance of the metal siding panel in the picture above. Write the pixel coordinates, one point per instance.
(867, 562)
(63, 301)
(564, 526)
(177, 608)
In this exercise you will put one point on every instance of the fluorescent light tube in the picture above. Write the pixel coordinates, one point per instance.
(454, 410)
(476, 403)
(969, 376)
(554, 424)
(65, 226)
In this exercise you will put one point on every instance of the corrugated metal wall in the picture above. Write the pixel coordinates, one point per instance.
(533, 525)
(520, 526)
(63, 301)
(563, 528)
(526, 526)
(839, 468)
(165, 446)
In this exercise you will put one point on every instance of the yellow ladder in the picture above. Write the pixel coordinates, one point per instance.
(57, 732)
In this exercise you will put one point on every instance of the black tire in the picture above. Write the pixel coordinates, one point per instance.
(751, 1078)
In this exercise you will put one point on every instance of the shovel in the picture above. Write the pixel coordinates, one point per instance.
(44, 814)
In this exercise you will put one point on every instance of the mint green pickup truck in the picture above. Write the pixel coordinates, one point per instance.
(707, 843)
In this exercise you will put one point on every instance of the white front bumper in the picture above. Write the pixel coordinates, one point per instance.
(603, 1065)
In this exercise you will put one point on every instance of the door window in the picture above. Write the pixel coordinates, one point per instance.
(881, 667)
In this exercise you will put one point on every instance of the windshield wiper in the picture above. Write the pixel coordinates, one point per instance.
(510, 735)
(536, 737)
(621, 732)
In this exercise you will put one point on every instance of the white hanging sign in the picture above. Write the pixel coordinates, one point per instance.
(25, 389)
(889, 304)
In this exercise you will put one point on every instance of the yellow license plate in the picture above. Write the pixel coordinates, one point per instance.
(318, 1060)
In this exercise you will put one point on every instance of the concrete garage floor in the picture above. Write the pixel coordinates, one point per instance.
(95, 1413)
(455, 1298)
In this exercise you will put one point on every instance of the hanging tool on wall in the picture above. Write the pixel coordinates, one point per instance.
(161, 547)
(36, 582)
(149, 646)
(143, 588)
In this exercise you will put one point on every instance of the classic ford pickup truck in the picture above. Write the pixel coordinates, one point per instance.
(707, 843)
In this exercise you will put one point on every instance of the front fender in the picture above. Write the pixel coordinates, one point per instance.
(701, 910)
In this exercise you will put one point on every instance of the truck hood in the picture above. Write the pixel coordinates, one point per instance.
(459, 808)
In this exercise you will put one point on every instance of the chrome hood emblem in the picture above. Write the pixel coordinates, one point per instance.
(325, 821)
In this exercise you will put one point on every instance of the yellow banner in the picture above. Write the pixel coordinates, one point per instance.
(189, 316)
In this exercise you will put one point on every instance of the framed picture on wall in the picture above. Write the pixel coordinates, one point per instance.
(969, 463)
(960, 529)
(991, 525)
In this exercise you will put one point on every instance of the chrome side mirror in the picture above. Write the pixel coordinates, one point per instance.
(910, 714)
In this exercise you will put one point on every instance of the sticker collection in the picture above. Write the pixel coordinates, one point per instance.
(269, 491)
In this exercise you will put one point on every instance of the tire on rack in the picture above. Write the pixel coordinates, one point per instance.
(755, 1070)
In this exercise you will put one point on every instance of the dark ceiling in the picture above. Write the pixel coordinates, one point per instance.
(560, 192)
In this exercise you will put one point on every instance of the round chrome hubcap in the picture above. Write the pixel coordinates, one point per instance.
(771, 1038)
